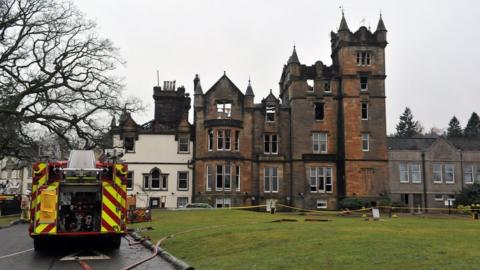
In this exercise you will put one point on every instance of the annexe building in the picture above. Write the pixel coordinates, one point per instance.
(321, 140)
(426, 172)
(159, 152)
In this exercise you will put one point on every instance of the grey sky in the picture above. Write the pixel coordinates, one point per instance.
(431, 59)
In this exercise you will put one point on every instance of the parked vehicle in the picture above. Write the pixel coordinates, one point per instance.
(79, 197)
(195, 206)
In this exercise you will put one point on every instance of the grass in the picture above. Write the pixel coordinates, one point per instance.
(235, 239)
(6, 220)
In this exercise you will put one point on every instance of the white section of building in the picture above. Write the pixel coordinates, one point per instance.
(15, 176)
(160, 174)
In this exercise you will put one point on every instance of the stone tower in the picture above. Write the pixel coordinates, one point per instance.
(359, 60)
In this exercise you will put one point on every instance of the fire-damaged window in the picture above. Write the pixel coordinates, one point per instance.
(319, 111)
(363, 58)
(326, 86)
(129, 144)
(224, 110)
(363, 83)
(224, 139)
(129, 180)
(270, 114)
(364, 111)
(210, 140)
(270, 143)
(224, 177)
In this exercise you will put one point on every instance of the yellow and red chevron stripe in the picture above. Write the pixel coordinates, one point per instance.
(113, 201)
(39, 182)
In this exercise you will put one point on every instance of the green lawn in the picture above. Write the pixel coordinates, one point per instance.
(6, 220)
(235, 239)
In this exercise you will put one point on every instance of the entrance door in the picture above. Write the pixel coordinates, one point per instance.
(154, 202)
(417, 201)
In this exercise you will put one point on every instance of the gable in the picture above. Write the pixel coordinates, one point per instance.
(443, 150)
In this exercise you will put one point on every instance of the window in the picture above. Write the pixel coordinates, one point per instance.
(270, 179)
(365, 142)
(363, 83)
(210, 140)
(310, 85)
(363, 58)
(438, 197)
(146, 181)
(182, 202)
(237, 178)
(270, 143)
(321, 203)
(326, 86)
(449, 174)
(182, 180)
(468, 174)
(223, 203)
(129, 180)
(224, 139)
(403, 173)
(437, 173)
(183, 145)
(270, 114)
(209, 178)
(319, 111)
(164, 182)
(321, 179)
(319, 140)
(364, 111)
(224, 110)
(236, 145)
(155, 180)
(129, 144)
(224, 181)
(415, 173)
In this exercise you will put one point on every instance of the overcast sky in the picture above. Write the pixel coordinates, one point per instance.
(432, 58)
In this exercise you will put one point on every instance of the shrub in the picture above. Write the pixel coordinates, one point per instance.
(353, 203)
(470, 195)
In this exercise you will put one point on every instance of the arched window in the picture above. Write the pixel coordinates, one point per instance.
(155, 179)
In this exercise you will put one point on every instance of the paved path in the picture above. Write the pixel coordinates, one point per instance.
(16, 252)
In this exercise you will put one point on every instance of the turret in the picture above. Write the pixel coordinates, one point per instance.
(249, 96)
(381, 32)
(197, 93)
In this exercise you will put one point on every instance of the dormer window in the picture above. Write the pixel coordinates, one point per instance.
(270, 114)
(363, 58)
(326, 86)
(224, 110)
(129, 144)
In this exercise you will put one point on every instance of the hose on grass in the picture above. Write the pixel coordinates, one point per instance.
(155, 252)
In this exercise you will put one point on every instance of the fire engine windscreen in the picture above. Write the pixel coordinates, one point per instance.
(80, 209)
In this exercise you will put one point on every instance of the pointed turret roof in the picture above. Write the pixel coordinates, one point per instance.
(343, 24)
(198, 87)
(114, 121)
(293, 58)
(381, 25)
(249, 91)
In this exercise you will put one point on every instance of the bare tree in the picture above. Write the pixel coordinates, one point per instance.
(56, 75)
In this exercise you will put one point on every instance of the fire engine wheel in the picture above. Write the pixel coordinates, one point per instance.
(39, 244)
(115, 241)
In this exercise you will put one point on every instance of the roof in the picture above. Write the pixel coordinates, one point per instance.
(249, 91)
(343, 24)
(466, 143)
(224, 77)
(396, 143)
(381, 25)
(294, 57)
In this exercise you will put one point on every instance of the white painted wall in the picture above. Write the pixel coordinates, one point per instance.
(18, 180)
(157, 151)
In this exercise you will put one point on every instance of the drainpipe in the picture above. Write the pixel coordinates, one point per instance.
(461, 170)
(291, 154)
(425, 200)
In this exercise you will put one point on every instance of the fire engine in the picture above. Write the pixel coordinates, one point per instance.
(80, 197)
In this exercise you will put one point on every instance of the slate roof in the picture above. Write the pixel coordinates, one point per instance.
(395, 143)
(466, 144)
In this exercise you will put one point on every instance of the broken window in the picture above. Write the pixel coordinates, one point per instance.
(129, 144)
(270, 144)
(326, 86)
(310, 85)
(363, 58)
(363, 83)
(224, 110)
(270, 114)
(319, 111)
(364, 111)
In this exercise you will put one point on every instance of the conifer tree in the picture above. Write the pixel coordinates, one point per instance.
(454, 128)
(407, 127)
(473, 126)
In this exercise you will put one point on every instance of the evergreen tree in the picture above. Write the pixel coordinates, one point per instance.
(454, 128)
(473, 126)
(407, 127)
